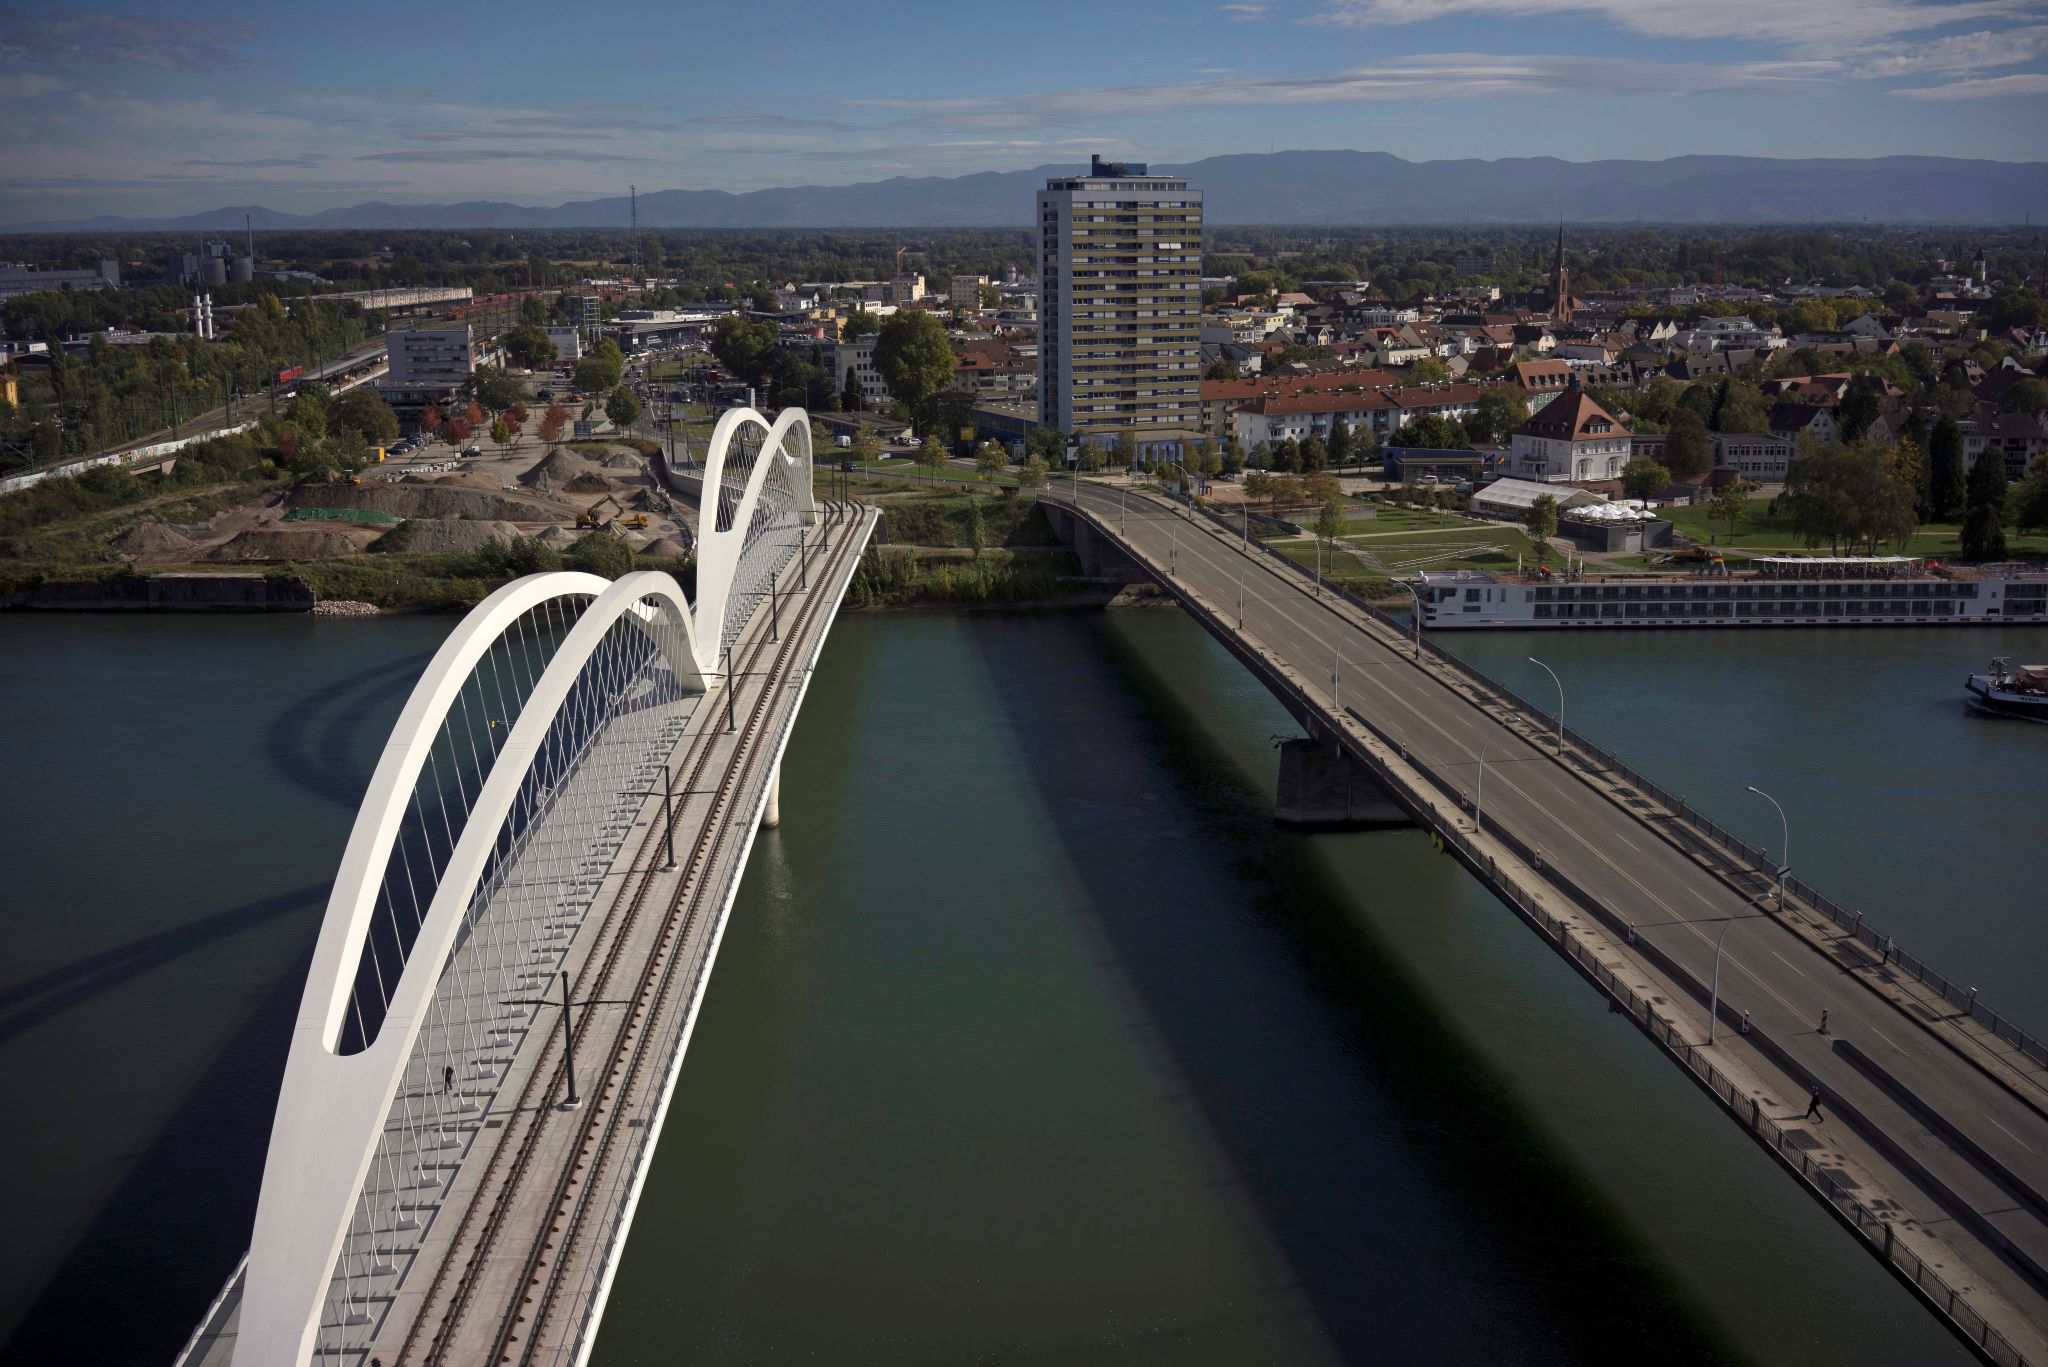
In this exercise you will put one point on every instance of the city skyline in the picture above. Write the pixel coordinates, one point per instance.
(190, 107)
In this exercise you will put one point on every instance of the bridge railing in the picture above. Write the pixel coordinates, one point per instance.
(1699, 833)
(1871, 1227)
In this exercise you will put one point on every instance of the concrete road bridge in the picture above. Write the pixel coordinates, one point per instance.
(519, 937)
(1930, 1143)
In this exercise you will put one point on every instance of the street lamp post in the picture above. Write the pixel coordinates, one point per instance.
(1337, 676)
(1784, 843)
(1479, 801)
(1416, 621)
(1240, 600)
(1714, 997)
(1560, 700)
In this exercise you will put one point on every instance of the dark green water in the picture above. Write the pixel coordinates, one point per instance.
(1031, 1039)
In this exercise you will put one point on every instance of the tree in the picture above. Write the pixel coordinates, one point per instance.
(859, 323)
(850, 398)
(430, 419)
(977, 530)
(594, 375)
(1730, 504)
(1429, 370)
(867, 447)
(492, 388)
(1499, 412)
(2030, 499)
(529, 344)
(1741, 409)
(915, 360)
(1314, 455)
(1688, 450)
(743, 348)
(1945, 472)
(1034, 473)
(990, 460)
(1331, 521)
(309, 414)
(1848, 494)
(1340, 442)
(456, 431)
(1432, 432)
(363, 411)
(2025, 396)
(622, 407)
(502, 433)
(1856, 411)
(1644, 479)
(931, 454)
(1984, 513)
(601, 553)
(1225, 369)
(553, 423)
(1542, 520)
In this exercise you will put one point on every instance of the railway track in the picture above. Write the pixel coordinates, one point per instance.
(486, 1219)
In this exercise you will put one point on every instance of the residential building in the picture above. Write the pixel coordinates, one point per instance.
(1759, 457)
(963, 292)
(1572, 438)
(906, 289)
(858, 356)
(1795, 420)
(1119, 301)
(568, 343)
(2018, 438)
(1274, 418)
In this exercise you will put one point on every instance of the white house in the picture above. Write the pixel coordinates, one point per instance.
(1572, 438)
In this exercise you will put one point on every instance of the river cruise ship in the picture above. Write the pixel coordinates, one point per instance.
(1790, 591)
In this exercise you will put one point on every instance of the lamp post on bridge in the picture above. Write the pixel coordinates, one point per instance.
(1784, 843)
(1416, 621)
(1560, 701)
(1714, 996)
(1479, 801)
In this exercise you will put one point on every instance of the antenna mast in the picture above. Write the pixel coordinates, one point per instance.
(634, 192)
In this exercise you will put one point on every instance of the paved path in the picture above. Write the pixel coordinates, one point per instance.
(1955, 1144)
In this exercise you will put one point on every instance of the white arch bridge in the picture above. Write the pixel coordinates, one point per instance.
(548, 849)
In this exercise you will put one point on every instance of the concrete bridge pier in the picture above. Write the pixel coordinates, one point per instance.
(1322, 788)
(771, 813)
(1100, 557)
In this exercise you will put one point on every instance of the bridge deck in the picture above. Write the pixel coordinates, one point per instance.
(1931, 1126)
(519, 1256)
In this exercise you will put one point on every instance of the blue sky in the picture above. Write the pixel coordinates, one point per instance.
(181, 106)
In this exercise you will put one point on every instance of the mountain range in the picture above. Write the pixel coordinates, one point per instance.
(1336, 187)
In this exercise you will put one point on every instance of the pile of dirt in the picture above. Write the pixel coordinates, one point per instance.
(151, 541)
(664, 548)
(298, 541)
(557, 469)
(588, 484)
(446, 535)
(624, 460)
(561, 538)
(434, 501)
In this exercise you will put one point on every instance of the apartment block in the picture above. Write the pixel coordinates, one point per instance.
(1119, 301)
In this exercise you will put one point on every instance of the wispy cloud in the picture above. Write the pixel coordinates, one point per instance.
(305, 161)
(30, 85)
(1806, 23)
(764, 121)
(100, 37)
(459, 156)
(1245, 11)
(1990, 87)
(1436, 76)
(1980, 51)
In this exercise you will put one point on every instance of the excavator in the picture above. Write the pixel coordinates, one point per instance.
(597, 516)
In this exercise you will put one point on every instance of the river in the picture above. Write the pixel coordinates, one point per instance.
(1032, 1039)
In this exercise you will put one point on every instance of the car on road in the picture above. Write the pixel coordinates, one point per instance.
(472, 450)
(846, 467)
(543, 393)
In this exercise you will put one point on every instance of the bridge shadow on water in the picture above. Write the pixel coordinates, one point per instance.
(316, 742)
(1424, 1214)
(138, 1278)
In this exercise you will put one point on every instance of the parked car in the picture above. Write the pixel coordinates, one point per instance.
(472, 450)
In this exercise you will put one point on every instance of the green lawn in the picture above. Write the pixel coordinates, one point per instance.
(1451, 549)
(1385, 517)
(1762, 534)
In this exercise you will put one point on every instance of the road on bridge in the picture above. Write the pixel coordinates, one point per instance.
(1975, 1127)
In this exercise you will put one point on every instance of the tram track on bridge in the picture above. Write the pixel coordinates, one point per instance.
(485, 1222)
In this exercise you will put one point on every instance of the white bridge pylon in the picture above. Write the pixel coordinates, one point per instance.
(622, 659)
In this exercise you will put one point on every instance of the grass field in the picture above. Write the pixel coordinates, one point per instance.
(1762, 534)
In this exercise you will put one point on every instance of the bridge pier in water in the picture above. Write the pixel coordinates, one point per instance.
(771, 811)
(1322, 788)
(1100, 557)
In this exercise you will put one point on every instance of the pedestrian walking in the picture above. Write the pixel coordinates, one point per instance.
(1745, 1022)
(1631, 932)
(1823, 1020)
(1813, 1106)
(447, 1077)
(1887, 952)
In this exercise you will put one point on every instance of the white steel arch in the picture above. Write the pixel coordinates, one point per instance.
(332, 1107)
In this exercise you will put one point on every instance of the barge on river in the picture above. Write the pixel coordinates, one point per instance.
(2009, 691)
(1789, 591)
